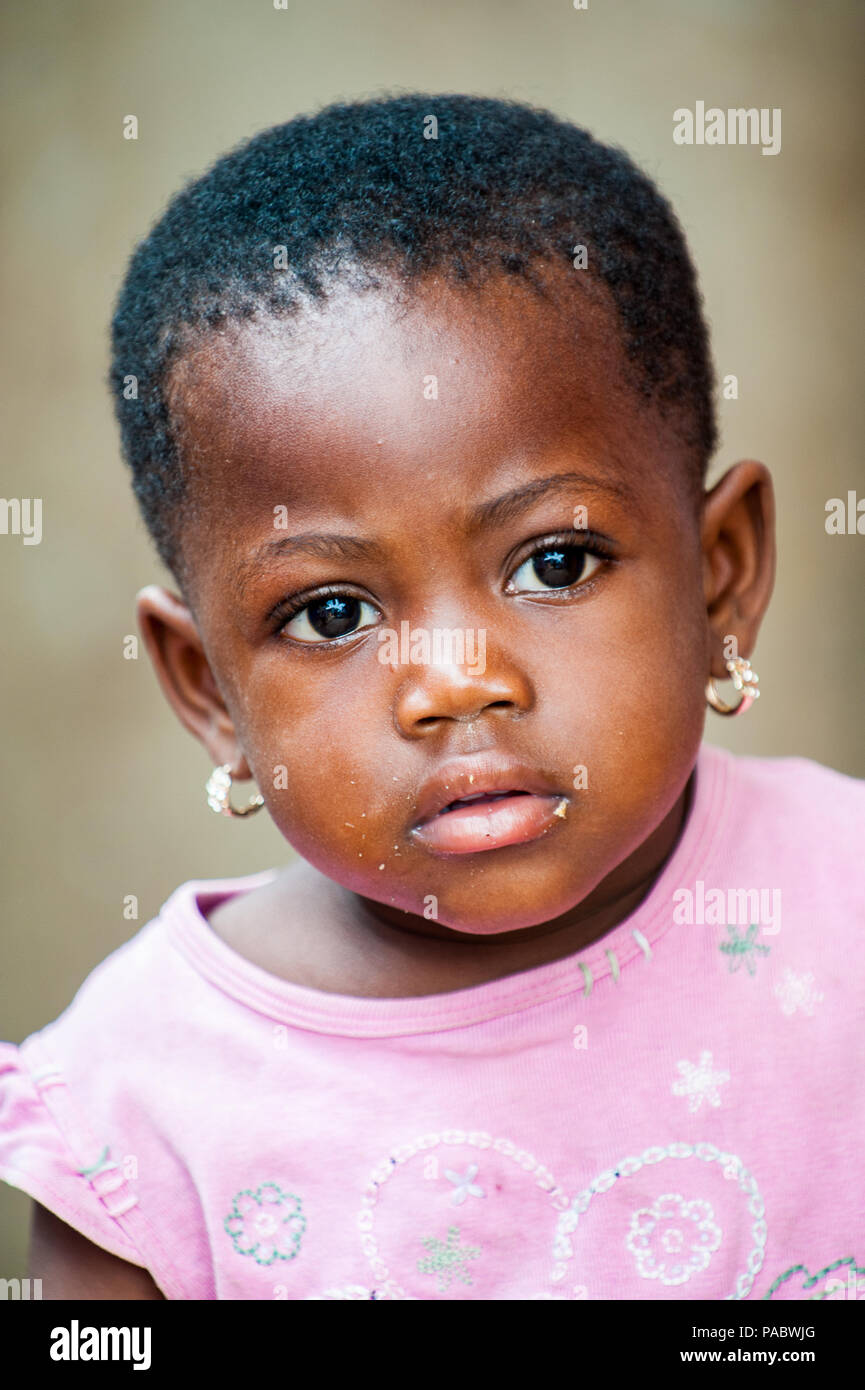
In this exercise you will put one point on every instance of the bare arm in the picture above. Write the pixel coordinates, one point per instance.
(71, 1266)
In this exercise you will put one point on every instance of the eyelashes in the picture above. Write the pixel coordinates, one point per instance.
(549, 563)
(556, 564)
(337, 612)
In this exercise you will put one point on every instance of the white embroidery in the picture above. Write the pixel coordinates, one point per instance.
(357, 1291)
(699, 1082)
(673, 1239)
(581, 1206)
(265, 1224)
(797, 992)
(381, 1179)
(465, 1184)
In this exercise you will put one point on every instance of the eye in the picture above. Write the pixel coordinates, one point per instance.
(554, 565)
(329, 617)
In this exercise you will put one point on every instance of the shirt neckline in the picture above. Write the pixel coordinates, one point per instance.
(349, 1015)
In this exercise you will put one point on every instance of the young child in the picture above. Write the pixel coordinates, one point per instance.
(556, 1001)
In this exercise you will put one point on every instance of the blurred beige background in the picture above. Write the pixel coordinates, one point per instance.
(102, 788)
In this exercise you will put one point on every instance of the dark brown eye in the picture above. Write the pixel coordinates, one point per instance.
(555, 567)
(334, 615)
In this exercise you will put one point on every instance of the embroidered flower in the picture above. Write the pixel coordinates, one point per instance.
(447, 1259)
(699, 1082)
(673, 1239)
(465, 1184)
(797, 992)
(266, 1224)
(743, 948)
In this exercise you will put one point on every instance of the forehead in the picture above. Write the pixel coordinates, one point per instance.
(395, 402)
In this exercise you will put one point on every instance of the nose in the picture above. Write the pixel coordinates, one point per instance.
(432, 693)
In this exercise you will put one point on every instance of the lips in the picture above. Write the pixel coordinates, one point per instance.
(485, 803)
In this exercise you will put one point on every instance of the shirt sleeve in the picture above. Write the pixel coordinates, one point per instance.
(55, 1162)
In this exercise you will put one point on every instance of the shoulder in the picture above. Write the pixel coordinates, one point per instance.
(789, 833)
(795, 805)
(801, 778)
(95, 1106)
(140, 984)
(118, 993)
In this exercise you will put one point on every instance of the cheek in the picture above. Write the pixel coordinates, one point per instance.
(314, 745)
(631, 692)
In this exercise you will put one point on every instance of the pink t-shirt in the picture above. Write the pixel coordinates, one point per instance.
(676, 1112)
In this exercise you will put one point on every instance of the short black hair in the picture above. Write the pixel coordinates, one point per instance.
(364, 185)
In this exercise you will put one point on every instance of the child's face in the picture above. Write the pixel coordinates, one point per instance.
(330, 424)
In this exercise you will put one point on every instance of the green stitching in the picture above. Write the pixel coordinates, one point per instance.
(446, 1260)
(587, 976)
(743, 948)
(614, 964)
(782, 1279)
(100, 1162)
(269, 1237)
(813, 1278)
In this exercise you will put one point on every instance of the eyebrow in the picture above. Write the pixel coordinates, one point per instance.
(328, 546)
(511, 504)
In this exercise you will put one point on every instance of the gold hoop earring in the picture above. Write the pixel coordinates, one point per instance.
(219, 793)
(744, 680)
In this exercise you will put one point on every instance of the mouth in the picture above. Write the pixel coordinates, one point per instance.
(479, 797)
(488, 818)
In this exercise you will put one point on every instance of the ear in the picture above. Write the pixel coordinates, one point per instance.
(175, 648)
(738, 540)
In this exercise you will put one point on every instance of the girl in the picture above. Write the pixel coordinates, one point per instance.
(557, 1001)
